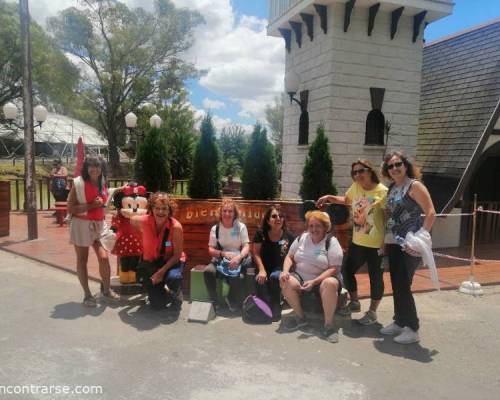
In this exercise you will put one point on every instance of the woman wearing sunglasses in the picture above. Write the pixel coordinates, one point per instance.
(270, 247)
(366, 196)
(407, 200)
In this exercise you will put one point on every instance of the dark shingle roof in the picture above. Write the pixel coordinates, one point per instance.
(460, 91)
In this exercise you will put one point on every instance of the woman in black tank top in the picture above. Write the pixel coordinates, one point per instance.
(407, 200)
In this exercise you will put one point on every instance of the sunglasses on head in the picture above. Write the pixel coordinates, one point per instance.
(274, 216)
(396, 164)
(354, 172)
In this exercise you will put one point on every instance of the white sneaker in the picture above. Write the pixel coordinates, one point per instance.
(392, 329)
(407, 336)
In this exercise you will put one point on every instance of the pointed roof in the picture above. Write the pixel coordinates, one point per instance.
(459, 102)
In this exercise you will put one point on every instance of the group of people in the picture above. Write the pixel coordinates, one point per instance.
(286, 266)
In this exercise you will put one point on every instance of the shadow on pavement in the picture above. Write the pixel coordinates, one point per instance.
(73, 310)
(144, 318)
(409, 351)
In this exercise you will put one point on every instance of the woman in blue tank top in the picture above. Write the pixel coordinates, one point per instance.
(407, 200)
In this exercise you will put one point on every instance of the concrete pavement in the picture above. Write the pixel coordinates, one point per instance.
(48, 338)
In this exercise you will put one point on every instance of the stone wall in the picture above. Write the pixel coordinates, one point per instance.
(338, 69)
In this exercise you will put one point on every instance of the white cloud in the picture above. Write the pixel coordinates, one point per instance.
(242, 62)
(213, 104)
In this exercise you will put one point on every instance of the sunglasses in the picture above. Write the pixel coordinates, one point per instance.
(355, 172)
(398, 164)
(274, 216)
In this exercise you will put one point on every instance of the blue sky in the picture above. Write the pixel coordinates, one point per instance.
(467, 13)
(245, 67)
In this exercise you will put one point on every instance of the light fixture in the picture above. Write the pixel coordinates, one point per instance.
(292, 84)
(10, 113)
(155, 121)
(131, 120)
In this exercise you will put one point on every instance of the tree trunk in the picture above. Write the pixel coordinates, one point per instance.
(114, 156)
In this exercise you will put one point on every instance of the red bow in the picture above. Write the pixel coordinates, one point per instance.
(134, 190)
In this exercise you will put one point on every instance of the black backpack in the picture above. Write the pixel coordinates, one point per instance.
(256, 311)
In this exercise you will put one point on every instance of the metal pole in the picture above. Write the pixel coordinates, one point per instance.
(473, 245)
(29, 134)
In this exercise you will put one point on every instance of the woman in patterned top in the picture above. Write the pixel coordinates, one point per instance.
(407, 200)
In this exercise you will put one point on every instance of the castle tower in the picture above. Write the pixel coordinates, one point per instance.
(355, 66)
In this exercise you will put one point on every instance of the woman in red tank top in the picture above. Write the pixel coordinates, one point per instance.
(163, 255)
(86, 201)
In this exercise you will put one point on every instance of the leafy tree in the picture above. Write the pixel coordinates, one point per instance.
(54, 77)
(259, 180)
(131, 57)
(152, 165)
(205, 182)
(233, 143)
(318, 169)
(275, 115)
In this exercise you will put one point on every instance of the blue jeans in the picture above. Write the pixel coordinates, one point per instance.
(270, 290)
(157, 294)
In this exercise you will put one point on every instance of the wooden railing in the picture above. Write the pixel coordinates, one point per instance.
(487, 224)
(45, 200)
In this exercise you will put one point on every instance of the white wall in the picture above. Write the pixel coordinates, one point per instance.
(338, 69)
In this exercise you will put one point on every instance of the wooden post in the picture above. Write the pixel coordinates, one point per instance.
(29, 134)
(473, 244)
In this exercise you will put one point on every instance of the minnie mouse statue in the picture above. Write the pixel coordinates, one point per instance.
(129, 201)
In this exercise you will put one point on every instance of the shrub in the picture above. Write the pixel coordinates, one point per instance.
(205, 182)
(152, 164)
(318, 169)
(259, 180)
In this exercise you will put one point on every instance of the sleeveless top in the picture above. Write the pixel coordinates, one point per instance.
(91, 192)
(404, 213)
(152, 242)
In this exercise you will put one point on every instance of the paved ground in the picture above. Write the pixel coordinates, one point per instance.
(53, 248)
(48, 338)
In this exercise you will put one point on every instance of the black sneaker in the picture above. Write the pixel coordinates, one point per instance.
(293, 324)
(330, 334)
(276, 310)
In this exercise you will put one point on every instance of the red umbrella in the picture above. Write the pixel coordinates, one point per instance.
(80, 155)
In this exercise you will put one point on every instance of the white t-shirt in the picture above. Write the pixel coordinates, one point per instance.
(311, 259)
(231, 239)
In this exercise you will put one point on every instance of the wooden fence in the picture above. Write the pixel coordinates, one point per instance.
(45, 200)
(488, 224)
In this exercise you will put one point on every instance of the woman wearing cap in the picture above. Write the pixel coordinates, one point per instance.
(408, 199)
(86, 202)
(59, 181)
(317, 257)
(366, 196)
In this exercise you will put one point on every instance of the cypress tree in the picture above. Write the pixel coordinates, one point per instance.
(152, 168)
(259, 180)
(318, 169)
(205, 182)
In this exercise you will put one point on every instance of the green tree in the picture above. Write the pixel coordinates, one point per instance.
(131, 57)
(151, 164)
(317, 174)
(205, 182)
(275, 115)
(233, 143)
(259, 180)
(55, 78)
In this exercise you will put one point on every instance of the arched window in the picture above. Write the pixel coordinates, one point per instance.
(375, 128)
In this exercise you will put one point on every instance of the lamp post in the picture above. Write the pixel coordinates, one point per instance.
(131, 121)
(10, 111)
(292, 83)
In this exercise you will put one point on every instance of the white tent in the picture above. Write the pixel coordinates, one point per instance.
(59, 133)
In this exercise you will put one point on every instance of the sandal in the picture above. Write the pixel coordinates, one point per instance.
(89, 301)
